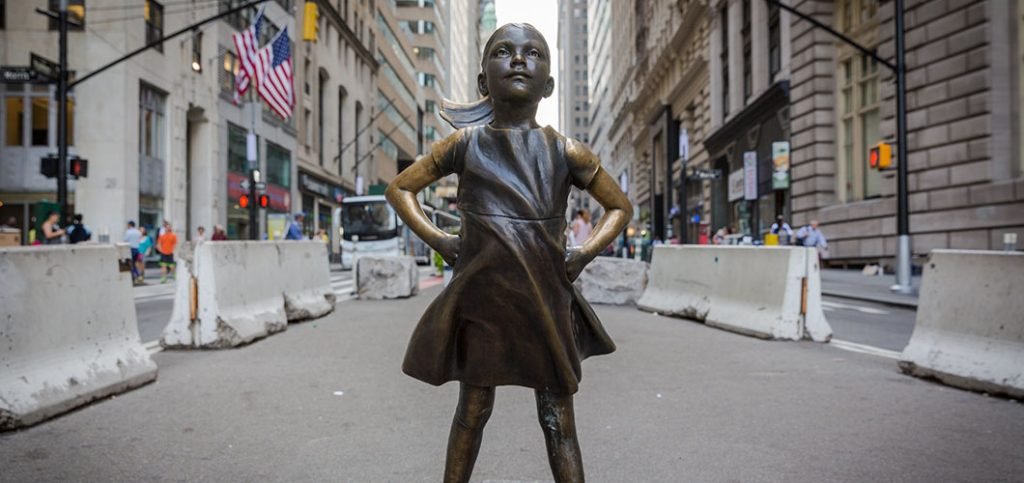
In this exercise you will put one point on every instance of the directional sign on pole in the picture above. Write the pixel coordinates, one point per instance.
(260, 185)
(244, 184)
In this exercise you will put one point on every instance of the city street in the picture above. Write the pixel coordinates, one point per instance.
(678, 401)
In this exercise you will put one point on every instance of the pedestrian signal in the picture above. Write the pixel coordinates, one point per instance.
(264, 201)
(243, 201)
(880, 156)
(310, 22)
(79, 167)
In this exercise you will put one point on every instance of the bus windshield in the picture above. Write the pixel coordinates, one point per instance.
(369, 220)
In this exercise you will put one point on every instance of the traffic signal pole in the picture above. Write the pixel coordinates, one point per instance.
(62, 113)
(903, 249)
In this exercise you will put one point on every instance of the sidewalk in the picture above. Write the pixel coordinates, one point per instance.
(678, 401)
(851, 284)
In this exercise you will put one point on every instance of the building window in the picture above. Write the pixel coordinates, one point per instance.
(748, 77)
(279, 165)
(341, 116)
(236, 149)
(76, 14)
(425, 79)
(197, 52)
(229, 72)
(32, 102)
(239, 20)
(321, 102)
(724, 14)
(430, 106)
(40, 120)
(774, 42)
(859, 120)
(151, 123)
(424, 53)
(154, 16)
(14, 119)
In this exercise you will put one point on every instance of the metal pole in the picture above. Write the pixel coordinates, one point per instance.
(254, 230)
(62, 113)
(904, 283)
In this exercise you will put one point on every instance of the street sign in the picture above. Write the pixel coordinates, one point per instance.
(261, 185)
(244, 184)
(703, 174)
(17, 75)
(780, 165)
(750, 175)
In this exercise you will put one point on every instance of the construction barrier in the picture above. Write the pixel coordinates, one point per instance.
(68, 332)
(613, 281)
(969, 331)
(767, 292)
(232, 293)
(386, 277)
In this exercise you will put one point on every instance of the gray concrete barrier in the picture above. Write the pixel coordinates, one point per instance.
(767, 292)
(613, 281)
(68, 332)
(386, 277)
(233, 293)
(969, 331)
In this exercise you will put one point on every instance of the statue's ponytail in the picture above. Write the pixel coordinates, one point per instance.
(470, 114)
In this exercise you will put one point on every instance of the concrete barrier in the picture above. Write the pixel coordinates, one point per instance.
(233, 293)
(305, 276)
(68, 332)
(613, 281)
(767, 292)
(386, 277)
(969, 331)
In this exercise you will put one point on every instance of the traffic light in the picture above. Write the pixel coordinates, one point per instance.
(310, 22)
(78, 167)
(880, 156)
(264, 201)
(243, 201)
(48, 166)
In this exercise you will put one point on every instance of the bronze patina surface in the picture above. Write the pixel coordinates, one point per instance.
(510, 315)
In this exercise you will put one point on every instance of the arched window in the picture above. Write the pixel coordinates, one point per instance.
(321, 102)
(342, 94)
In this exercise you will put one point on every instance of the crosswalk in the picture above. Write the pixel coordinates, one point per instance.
(342, 284)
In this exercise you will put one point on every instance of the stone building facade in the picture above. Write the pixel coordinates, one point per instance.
(742, 76)
(963, 106)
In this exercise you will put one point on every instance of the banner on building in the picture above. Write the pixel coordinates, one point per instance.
(750, 175)
(736, 185)
(780, 165)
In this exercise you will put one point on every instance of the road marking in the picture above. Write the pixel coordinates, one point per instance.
(865, 349)
(153, 346)
(864, 310)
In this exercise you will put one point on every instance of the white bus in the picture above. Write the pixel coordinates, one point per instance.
(369, 226)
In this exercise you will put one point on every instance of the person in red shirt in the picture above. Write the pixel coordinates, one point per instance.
(166, 244)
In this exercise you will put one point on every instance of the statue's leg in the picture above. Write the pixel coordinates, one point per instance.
(475, 404)
(558, 421)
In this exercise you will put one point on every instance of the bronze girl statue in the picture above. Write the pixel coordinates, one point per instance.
(510, 315)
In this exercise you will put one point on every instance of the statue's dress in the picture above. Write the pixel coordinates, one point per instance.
(510, 316)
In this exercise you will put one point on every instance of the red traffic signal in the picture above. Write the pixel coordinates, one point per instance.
(264, 201)
(79, 167)
(243, 201)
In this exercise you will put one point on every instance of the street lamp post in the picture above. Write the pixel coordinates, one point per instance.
(62, 112)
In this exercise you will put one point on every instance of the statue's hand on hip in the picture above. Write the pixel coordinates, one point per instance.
(575, 262)
(448, 247)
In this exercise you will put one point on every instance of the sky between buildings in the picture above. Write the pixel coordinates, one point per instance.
(542, 14)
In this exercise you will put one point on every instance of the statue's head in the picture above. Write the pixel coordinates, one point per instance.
(515, 67)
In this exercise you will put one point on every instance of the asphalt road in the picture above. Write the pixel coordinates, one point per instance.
(876, 325)
(678, 402)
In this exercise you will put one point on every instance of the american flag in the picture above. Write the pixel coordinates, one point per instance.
(248, 49)
(275, 81)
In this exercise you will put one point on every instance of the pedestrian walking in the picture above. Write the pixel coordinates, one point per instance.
(78, 232)
(132, 236)
(165, 245)
(581, 226)
(781, 228)
(53, 234)
(295, 228)
(218, 233)
(200, 235)
(145, 248)
(811, 236)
